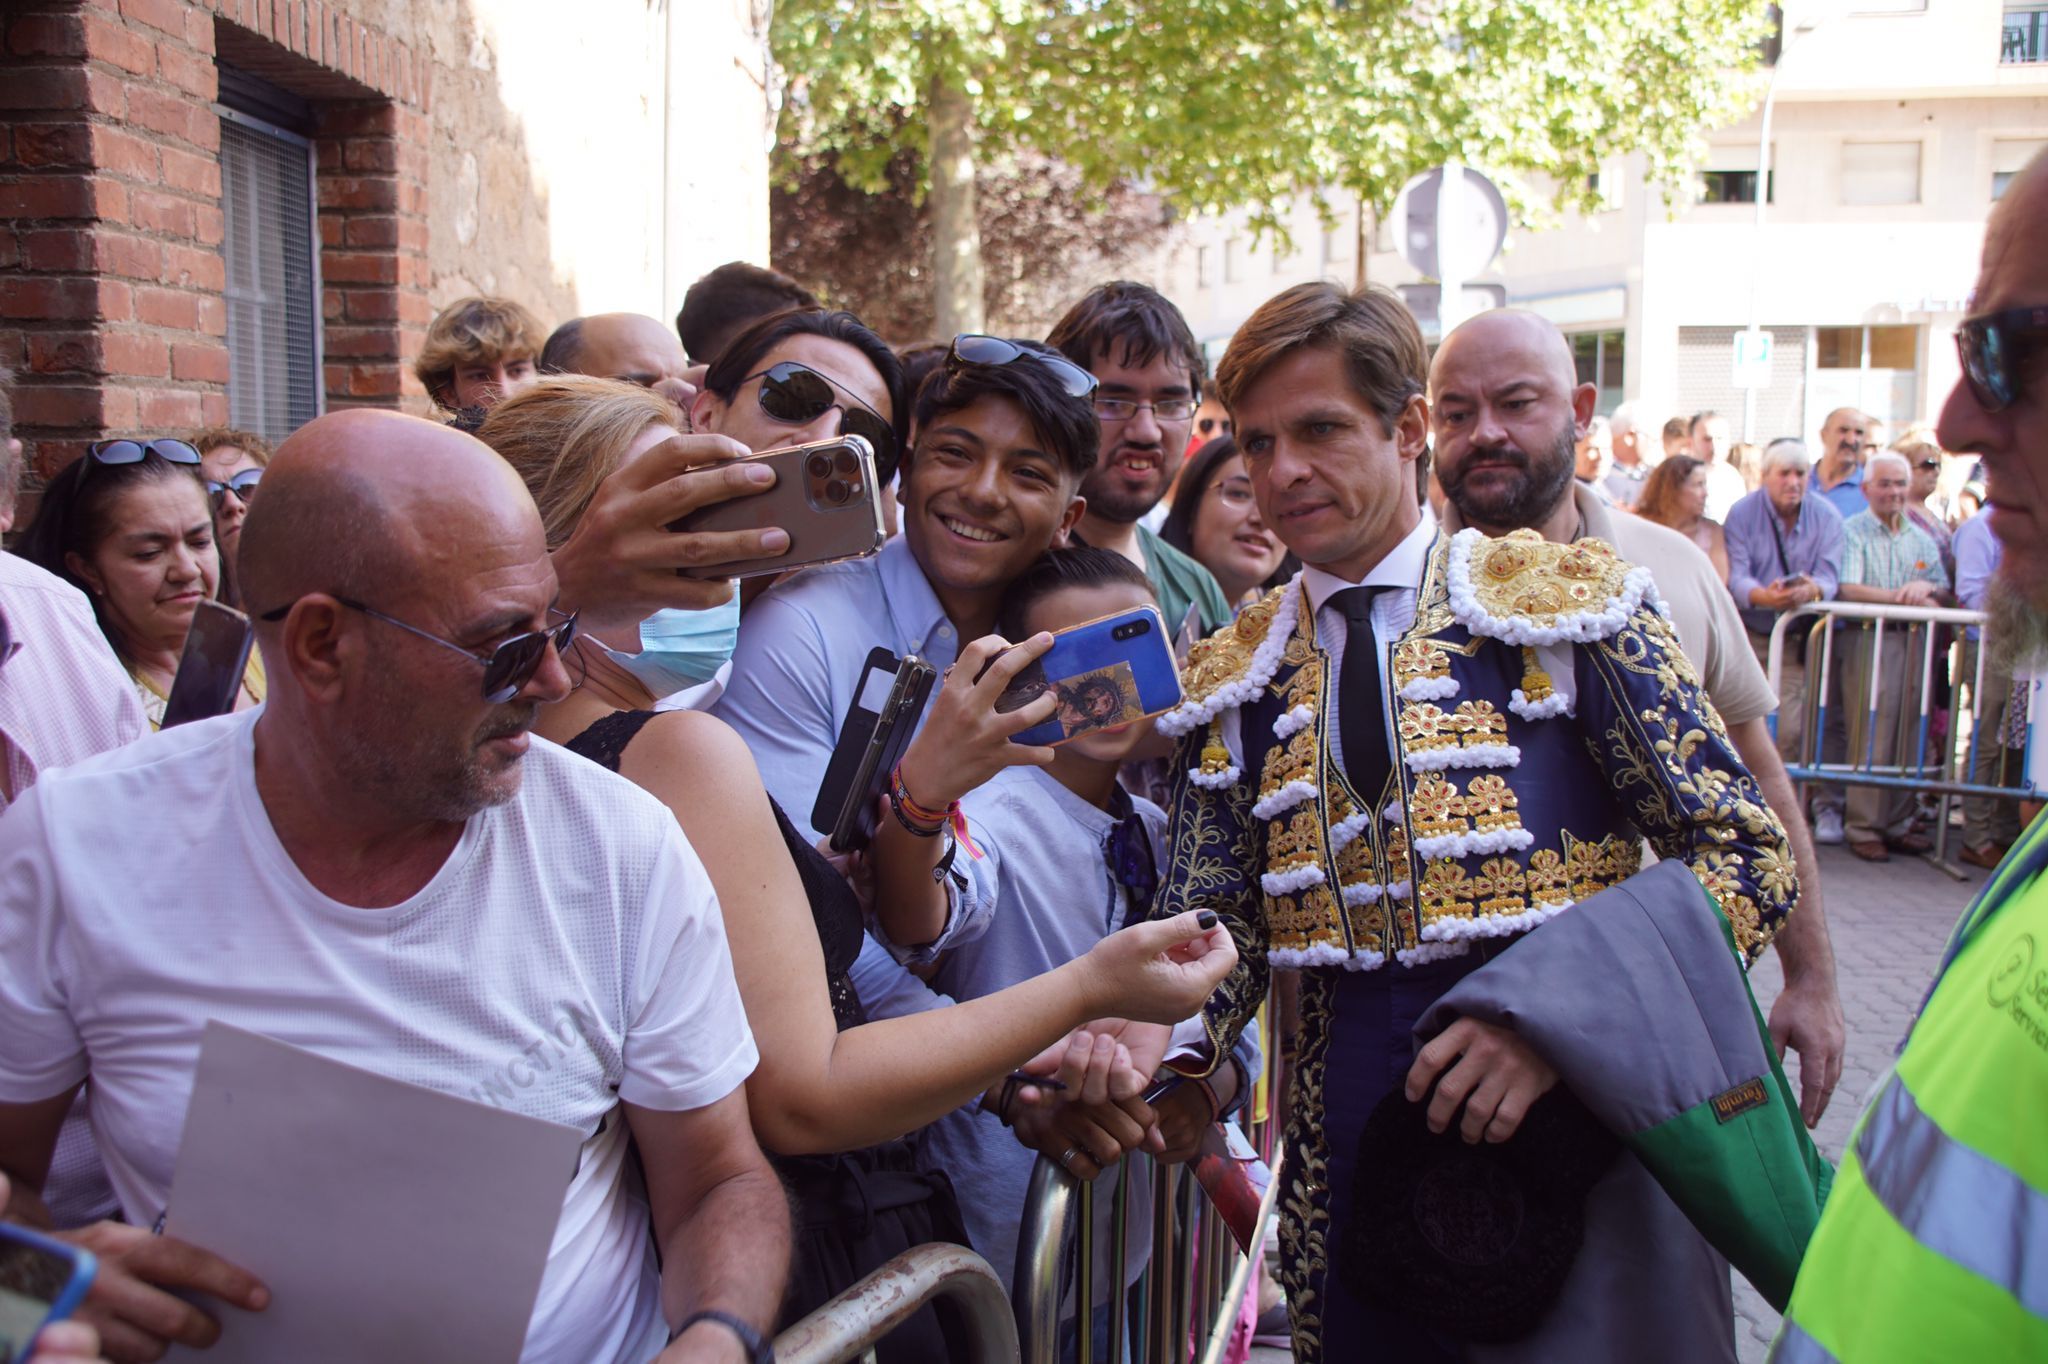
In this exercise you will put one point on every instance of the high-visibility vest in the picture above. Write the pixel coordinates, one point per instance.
(1934, 1242)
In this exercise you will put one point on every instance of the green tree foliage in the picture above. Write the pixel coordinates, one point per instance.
(1229, 104)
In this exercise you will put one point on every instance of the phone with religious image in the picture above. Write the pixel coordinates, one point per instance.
(41, 1281)
(825, 495)
(211, 667)
(1104, 673)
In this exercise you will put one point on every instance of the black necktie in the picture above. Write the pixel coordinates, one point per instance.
(1360, 713)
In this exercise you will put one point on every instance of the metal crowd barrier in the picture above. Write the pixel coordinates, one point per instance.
(848, 1327)
(1926, 757)
(1184, 1307)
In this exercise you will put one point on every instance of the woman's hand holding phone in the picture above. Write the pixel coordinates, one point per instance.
(621, 564)
(965, 739)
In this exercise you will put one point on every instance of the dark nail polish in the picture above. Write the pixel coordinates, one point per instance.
(1207, 919)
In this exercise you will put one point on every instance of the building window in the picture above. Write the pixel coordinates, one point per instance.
(1233, 260)
(1203, 269)
(2025, 35)
(1880, 173)
(1731, 177)
(1876, 369)
(1602, 359)
(273, 285)
(2009, 156)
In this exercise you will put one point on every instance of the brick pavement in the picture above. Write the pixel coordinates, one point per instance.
(1888, 922)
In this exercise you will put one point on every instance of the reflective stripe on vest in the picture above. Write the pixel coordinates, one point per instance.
(1956, 1202)
(1794, 1346)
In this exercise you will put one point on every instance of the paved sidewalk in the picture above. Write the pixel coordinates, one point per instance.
(1888, 922)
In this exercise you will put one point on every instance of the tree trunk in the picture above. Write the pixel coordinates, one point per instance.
(956, 226)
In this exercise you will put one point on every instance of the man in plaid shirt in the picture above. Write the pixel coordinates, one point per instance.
(1885, 558)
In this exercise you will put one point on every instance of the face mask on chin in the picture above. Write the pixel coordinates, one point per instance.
(682, 649)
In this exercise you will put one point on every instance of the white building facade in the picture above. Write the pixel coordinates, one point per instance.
(1896, 125)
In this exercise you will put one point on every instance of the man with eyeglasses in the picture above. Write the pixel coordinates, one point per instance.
(381, 865)
(1148, 371)
(1931, 1243)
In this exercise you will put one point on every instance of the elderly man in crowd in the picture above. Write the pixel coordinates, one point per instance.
(1499, 478)
(1886, 560)
(1784, 550)
(1632, 461)
(406, 599)
(1844, 436)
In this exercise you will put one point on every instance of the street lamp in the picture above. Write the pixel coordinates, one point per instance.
(1763, 194)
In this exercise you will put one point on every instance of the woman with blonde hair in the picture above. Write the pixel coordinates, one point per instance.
(479, 351)
(834, 1093)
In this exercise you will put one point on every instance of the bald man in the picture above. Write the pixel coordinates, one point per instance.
(1844, 436)
(382, 865)
(1933, 1237)
(630, 347)
(1506, 407)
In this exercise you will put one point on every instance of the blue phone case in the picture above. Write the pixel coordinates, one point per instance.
(1107, 672)
(83, 1267)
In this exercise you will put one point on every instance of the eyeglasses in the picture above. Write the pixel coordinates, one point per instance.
(1123, 409)
(799, 395)
(241, 485)
(1208, 426)
(507, 668)
(1928, 464)
(972, 348)
(112, 452)
(1235, 491)
(1996, 349)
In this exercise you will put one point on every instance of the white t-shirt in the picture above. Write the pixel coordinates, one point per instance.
(568, 955)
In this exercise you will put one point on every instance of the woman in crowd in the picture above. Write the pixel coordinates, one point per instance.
(1923, 455)
(478, 351)
(1675, 495)
(232, 463)
(1215, 520)
(828, 1081)
(129, 525)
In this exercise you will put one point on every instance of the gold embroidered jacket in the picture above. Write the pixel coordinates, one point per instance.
(1504, 806)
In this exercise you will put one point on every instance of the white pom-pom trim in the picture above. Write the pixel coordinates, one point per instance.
(1190, 715)
(1215, 781)
(1491, 925)
(1347, 829)
(1293, 723)
(1362, 893)
(1430, 951)
(1549, 707)
(1283, 800)
(1474, 755)
(1394, 814)
(1430, 689)
(1580, 627)
(1474, 844)
(1322, 954)
(1399, 890)
(1288, 882)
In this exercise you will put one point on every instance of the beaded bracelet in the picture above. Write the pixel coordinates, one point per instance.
(925, 822)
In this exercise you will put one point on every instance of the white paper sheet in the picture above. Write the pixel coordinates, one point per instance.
(389, 1222)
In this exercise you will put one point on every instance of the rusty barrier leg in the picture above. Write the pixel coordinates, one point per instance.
(849, 1325)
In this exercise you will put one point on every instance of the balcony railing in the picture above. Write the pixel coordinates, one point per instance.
(2025, 35)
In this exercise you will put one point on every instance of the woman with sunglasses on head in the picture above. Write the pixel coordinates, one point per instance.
(130, 525)
(829, 1080)
(1216, 521)
(232, 463)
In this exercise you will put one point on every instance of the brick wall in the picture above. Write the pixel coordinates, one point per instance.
(111, 277)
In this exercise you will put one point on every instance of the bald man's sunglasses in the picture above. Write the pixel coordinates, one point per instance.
(507, 667)
(799, 395)
(1997, 349)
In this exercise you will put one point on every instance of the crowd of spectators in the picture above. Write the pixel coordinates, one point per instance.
(808, 1056)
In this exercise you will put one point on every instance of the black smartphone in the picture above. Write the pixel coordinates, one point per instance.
(210, 670)
(825, 495)
(879, 723)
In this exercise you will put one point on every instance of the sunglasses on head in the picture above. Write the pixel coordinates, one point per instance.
(111, 452)
(972, 348)
(241, 485)
(508, 667)
(799, 395)
(1996, 349)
